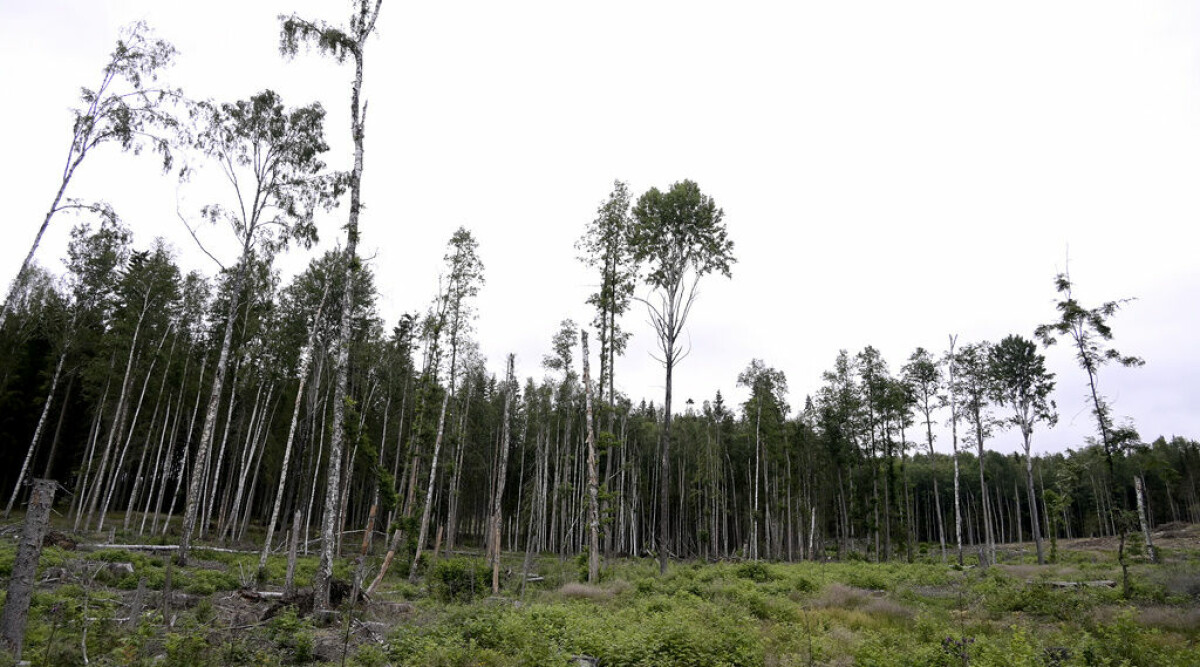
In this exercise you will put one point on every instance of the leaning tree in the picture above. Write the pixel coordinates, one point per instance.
(1089, 331)
(128, 109)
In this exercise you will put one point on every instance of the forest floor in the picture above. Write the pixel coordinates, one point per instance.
(87, 610)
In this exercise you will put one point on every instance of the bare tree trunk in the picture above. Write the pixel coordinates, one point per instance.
(289, 583)
(24, 570)
(200, 463)
(117, 425)
(423, 532)
(252, 440)
(81, 494)
(362, 27)
(989, 546)
(958, 520)
(305, 361)
(1139, 490)
(501, 472)
(210, 492)
(1033, 505)
(169, 463)
(116, 473)
(665, 462)
(37, 432)
(593, 483)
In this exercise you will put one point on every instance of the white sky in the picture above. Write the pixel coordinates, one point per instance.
(890, 172)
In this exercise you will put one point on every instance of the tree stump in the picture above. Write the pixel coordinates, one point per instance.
(20, 585)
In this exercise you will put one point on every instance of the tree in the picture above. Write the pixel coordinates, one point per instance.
(606, 246)
(1089, 331)
(463, 280)
(924, 379)
(768, 388)
(126, 109)
(974, 382)
(681, 235)
(94, 260)
(1023, 384)
(950, 398)
(271, 158)
(339, 43)
(593, 483)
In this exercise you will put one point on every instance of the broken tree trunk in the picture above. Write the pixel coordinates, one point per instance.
(20, 585)
(289, 584)
(501, 469)
(593, 483)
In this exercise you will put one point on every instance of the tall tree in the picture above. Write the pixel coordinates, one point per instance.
(271, 158)
(768, 388)
(1089, 331)
(1023, 384)
(950, 399)
(681, 236)
(127, 109)
(593, 483)
(923, 377)
(606, 246)
(463, 280)
(973, 381)
(94, 261)
(339, 42)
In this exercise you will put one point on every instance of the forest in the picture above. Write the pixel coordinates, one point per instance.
(240, 410)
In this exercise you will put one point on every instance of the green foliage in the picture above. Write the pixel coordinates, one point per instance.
(459, 579)
(189, 647)
(293, 636)
(755, 571)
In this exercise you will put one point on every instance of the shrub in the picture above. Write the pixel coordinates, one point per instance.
(755, 571)
(459, 579)
(293, 635)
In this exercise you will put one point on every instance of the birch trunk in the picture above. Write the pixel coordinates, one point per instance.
(958, 527)
(37, 432)
(501, 471)
(305, 361)
(362, 28)
(200, 464)
(117, 422)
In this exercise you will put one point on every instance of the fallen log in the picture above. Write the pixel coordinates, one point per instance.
(159, 547)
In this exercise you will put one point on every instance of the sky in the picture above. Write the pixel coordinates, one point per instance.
(890, 173)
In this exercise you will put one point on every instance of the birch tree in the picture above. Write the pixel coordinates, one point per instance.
(339, 42)
(681, 236)
(463, 281)
(1089, 332)
(1023, 384)
(271, 158)
(127, 108)
(922, 375)
(974, 382)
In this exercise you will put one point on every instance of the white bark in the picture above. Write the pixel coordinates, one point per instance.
(37, 432)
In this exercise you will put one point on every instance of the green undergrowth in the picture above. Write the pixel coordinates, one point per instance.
(698, 614)
(807, 613)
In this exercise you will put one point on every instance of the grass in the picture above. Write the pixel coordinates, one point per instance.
(722, 614)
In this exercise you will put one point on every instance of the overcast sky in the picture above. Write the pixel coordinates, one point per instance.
(890, 173)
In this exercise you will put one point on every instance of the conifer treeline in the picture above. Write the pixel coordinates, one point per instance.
(105, 369)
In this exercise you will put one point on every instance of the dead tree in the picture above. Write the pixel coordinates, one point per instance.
(20, 585)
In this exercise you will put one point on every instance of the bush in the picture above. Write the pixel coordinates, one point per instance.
(293, 635)
(459, 579)
(755, 571)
